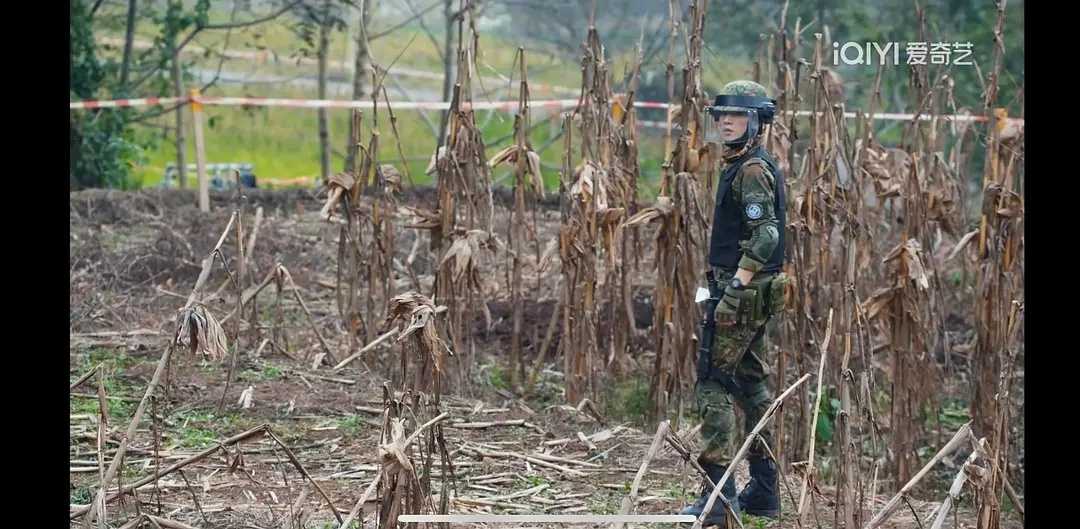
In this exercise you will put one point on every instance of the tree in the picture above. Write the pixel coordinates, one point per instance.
(102, 148)
(103, 145)
(318, 19)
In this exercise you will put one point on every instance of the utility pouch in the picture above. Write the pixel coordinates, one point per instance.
(753, 305)
(779, 294)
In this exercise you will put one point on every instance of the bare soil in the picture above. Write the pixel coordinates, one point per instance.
(134, 260)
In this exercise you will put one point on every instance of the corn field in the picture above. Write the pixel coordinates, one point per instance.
(884, 245)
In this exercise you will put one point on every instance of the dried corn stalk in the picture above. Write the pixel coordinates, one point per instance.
(899, 310)
(689, 151)
(424, 350)
(824, 235)
(678, 245)
(465, 198)
(589, 245)
(366, 243)
(406, 488)
(1000, 294)
(401, 492)
(527, 180)
(680, 237)
(624, 161)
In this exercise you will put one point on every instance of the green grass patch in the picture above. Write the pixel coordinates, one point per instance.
(119, 394)
(283, 142)
(627, 400)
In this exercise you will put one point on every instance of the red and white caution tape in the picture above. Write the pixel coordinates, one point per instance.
(882, 117)
(319, 103)
(396, 105)
(434, 105)
(121, 103)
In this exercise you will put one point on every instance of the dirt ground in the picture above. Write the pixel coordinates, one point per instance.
(135, 258)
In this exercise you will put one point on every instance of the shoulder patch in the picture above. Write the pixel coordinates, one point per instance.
(754, 169)
(754, 211)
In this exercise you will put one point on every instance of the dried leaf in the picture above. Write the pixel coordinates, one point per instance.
(548, 255)
(536, 176)
(245, 400)
(916, 270)
(435, 158)
(199, 332)
(963, 242)
(508, 154)
(664, 207)
(609, 216)
(977, 475)
(341, 180)
(392, 454)
(390, 176)
(424, 219)
(892, 192)
(878, 301)
(419, 311)
(464, 250)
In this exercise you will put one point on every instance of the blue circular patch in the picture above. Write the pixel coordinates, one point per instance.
(753, 211)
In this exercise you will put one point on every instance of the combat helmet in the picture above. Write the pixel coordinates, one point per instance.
(738, 100)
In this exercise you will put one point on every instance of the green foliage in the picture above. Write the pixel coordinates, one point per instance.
(172, 23)
(313, 16)
(102, 149)
(827, 411)
(627, 400)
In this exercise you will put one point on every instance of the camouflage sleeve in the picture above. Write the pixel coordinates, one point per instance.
(754, 189)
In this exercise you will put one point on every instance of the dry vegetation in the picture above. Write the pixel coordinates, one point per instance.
(474, 349)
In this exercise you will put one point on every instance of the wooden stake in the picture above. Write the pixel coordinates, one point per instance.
(200, 154)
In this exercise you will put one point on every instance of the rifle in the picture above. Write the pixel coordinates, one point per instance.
(705, 367)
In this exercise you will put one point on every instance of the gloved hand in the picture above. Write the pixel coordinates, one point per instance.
(727, 310)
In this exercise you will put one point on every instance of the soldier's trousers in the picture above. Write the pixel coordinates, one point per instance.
(739, 351)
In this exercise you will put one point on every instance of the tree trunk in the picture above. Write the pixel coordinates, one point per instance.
(181, 144)
(326, 24)
(129, 37)
(360, 72)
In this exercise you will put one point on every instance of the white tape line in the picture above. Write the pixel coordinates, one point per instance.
(119, 103)
(403, 105)
(548, 518)
(960, 118)
(482, 105)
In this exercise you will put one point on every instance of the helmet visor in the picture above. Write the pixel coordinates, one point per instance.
(725, 124)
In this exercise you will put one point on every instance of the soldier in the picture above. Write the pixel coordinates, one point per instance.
(747, 287)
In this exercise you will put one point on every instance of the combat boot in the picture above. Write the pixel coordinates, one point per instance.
(759, 498)
(717, 515)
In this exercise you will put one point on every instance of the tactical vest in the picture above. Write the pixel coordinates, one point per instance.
(728, 227)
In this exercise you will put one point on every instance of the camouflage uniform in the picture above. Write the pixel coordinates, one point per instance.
(737, 353)
(739, 349)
